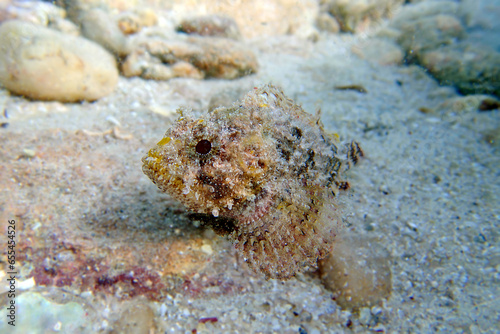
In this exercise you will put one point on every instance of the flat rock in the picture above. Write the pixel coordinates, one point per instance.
(45, 64)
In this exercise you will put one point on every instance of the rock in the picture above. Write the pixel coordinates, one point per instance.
(415, 12)
(129, 23)
(472, 69)
(427, 25)
(133, 22)
(32, 11)
(195, 57)
(147, 16)
(428, 33)
(41, 13)
(42, 63)
(222, 59)
(75, 7)
(388, 33)
(489, 104)
(256, 18)
(211, 25)
(469, 104)
(101, 27)
(357, 15)
(357, 272)
(433, 35)
(326, 22)
(380, 51)
(64, 26)
(143, 64)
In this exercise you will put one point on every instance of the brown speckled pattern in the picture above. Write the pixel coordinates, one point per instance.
(270, 169)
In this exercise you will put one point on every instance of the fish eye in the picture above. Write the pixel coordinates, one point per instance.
(203, 147)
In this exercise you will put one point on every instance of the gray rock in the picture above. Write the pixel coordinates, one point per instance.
(473, 69)
(42, 63)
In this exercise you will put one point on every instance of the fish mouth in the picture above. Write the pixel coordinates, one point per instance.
(154, 167)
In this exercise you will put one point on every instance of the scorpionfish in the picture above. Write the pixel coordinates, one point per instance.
(262, 171)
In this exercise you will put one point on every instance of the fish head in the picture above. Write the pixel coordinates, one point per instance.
(215, 163)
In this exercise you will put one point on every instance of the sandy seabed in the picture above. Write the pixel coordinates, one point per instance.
(101, 241)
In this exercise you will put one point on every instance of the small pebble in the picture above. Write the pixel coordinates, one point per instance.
(28, 153)
(207, 249)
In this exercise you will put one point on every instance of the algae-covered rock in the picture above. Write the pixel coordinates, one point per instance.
(37, 12)
(473, 69)
(427, 25)
(42, 63)
(417, 11)
(428, 33)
